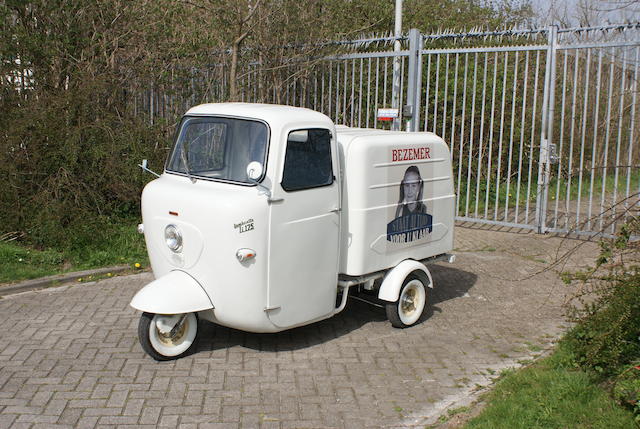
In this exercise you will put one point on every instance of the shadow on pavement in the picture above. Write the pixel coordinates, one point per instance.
(450, 283)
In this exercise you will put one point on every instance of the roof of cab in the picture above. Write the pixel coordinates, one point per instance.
(271, 113)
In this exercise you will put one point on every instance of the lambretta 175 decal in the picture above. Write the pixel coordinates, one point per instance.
(244, 226)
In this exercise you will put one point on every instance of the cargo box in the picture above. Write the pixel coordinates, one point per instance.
(398, 198)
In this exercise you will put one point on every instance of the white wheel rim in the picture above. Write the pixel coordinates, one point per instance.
(412, 302)
(177, 344)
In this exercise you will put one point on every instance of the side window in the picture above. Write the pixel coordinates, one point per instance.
(307, 162)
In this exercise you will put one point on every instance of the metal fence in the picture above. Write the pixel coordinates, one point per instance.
(541, 122)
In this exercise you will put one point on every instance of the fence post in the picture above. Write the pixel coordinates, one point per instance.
(414, 83)
(546, 131)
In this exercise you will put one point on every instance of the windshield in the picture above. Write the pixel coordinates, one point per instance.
(218, 148)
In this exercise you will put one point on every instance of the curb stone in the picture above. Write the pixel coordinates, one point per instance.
(58, 280)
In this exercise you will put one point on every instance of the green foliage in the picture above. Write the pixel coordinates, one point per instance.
(550, 394)
(121, 245)
(18, 262)
(607, 311)
(606, 338)
(79, 77)
(598, 357)
(626, 388)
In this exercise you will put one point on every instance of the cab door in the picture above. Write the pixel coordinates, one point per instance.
(304, 230)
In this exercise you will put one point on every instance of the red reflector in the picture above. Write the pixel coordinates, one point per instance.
(173, 213)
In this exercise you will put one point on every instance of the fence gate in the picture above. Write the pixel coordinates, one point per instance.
(541, 122)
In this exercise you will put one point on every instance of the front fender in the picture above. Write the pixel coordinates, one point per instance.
(173, 293)
(392, 283)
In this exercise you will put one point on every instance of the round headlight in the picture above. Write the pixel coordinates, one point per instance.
(173, 238)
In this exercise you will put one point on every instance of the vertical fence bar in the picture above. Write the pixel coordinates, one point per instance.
(471, 127)
(571, 135)
(490, 150)
(536, 80)
(522, 122)
(384, 92)
(481, 135)
(618, 142)
(337, 91)
(444, 107)
(414, 83)
(360, 95)
(453, 108)
(368, 92)
(607, 136)
(344, 92)
(330, 92)
(583, 134)
(464, 102)
(561, 144)
(595, 137)
(435, 102)
(399, 122)
(353, 91)
(511, 130)
(375, 115)
(631, 130)
(426, 99)
(546, 136)
(417, 92)
(499, 167)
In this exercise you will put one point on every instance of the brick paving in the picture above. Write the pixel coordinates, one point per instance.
(69, 357)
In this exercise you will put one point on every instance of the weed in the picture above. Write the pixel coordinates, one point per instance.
(452, 412)
(121, 245)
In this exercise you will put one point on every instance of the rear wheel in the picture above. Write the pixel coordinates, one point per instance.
(408, 309)
(166, 337)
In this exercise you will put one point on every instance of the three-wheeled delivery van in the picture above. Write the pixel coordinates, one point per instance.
(265, 216)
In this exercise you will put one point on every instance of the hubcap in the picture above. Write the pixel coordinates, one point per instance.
(173, 340)
(412, 302)
(408, 302)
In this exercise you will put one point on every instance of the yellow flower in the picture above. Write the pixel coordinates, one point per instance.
(137, 265)
(109, 274)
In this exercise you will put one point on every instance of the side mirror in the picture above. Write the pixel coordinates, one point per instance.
(145, 168)
(254, 170)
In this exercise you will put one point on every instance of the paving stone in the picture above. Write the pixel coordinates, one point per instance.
(72, 358)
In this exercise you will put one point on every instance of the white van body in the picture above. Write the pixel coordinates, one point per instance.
(281, 250)
(374, 163)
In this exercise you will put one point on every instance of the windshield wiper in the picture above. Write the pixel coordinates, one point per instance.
(186, 164)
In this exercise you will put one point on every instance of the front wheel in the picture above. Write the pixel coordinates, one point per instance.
(166, 337)
(406, 311)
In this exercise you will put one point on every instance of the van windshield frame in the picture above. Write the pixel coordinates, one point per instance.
(219, 148)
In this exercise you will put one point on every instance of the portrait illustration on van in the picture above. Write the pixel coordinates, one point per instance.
(411, 221)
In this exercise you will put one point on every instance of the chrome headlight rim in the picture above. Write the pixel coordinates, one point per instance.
(173, 238)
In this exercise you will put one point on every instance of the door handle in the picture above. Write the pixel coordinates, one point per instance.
(335, 210)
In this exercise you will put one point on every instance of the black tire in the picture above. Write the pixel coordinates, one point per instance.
(156, 352)
(406, 311)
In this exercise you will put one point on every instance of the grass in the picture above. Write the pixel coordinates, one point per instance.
(21, 262)
(551, 393)
(559, 189)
